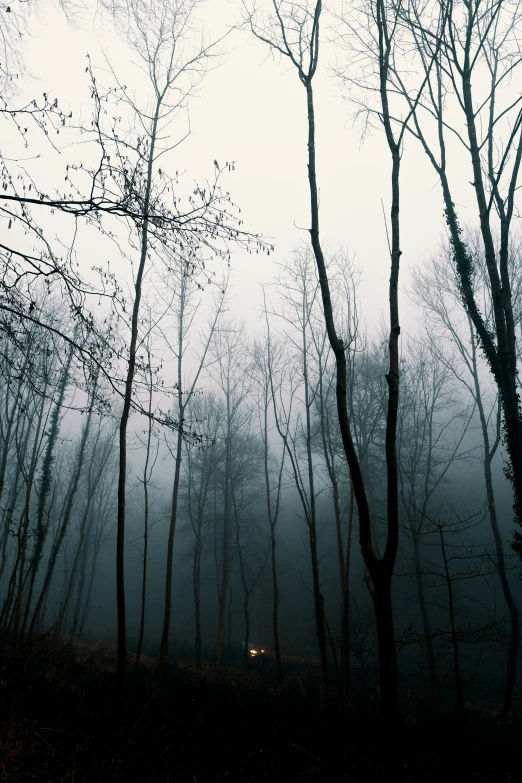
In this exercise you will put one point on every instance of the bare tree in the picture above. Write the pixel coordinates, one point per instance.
(459, 561)
(151, 456)
(99, 530)
(268, 360)
(246, 488)
(183, 287)
(228, 370)
(66, 516)
(292, 30)
(344, 280)
(46, 479)
(21, 533)
(433, 425)
(435, 291)
(201, 466)
(298, 292)
(462, 41)
(165, 38)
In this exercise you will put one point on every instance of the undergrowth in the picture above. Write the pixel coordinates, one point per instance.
(60, 721)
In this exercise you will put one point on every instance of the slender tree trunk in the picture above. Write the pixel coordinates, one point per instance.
(272, 520)
(83, 551)
(514, 639)
(244, 582)
(275, 605)
(14, 494)
(46, 481)
(229, 637)
(127, 399)
(88, 593)
(145, 525)
(79, 553)
(226, 541)
(460, 704)
(311, 516)
(16, 618)
(343, 575)
(430, 652)
(13, 416)
(143, 582)
(205, 474)
(319, 606)
(175, 490)
(333, 648)
(197, 601)
(66, 518)
(246, 610)
(22, 534)
(3, 545)
(170, 554)
(82, 546)
(346, 641)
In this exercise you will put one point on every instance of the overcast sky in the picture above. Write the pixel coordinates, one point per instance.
(251, 109)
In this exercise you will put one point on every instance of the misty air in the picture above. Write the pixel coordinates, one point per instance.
(260, 417)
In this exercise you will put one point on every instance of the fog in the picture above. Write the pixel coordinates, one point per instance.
(260, 338)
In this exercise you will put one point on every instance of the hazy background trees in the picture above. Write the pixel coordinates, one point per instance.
(147, 419)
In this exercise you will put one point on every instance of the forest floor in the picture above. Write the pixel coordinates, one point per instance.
(59, 721)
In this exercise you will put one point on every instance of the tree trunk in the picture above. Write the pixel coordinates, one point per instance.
(175, 489)
(346, 641)
(380, 570)
(459, 693)
(319, 606)
(333, 648)
(127, 399)
(275, 605)
(197, 601)
(66, 518)
(343, 574)
(514, 639)
(146, 478)
(143, 582)
(12, 417)
(428, 641)
(311, 516)
(14, 494)
(272, 517)
(46, 481)
(502, 307)
(24, 519)
(170, 554)
(226, 543)
(83, 548)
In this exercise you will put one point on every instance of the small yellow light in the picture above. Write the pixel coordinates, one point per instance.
(262, 650)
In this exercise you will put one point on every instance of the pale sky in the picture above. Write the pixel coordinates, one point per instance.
(251, 109)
